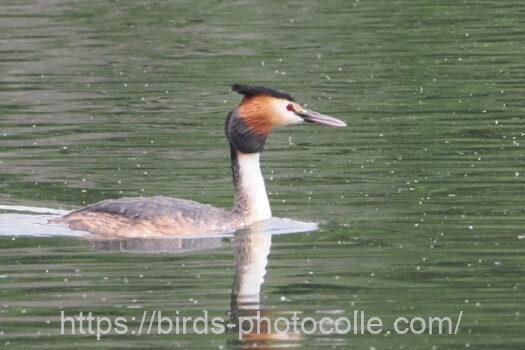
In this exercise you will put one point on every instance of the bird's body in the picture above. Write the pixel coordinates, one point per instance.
(246, 128)
(150, 216)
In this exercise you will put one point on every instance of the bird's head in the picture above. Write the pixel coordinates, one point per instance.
(263, 109)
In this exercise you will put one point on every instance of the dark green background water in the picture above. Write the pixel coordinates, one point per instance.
(422, 197)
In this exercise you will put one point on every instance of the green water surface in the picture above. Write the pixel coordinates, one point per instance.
(421, 198)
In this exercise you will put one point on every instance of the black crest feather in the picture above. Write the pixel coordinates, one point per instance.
(250, 90)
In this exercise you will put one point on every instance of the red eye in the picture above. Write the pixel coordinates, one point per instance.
(290, 107)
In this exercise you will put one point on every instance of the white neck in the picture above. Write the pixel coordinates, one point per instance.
(251, 200)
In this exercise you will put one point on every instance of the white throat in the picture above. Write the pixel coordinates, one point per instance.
(251, 200)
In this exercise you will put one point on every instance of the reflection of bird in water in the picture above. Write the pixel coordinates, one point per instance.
(251, 258)
(158, 245)
(247, 127)
(252, 247)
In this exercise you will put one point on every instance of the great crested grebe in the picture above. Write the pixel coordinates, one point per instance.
(247, 127)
